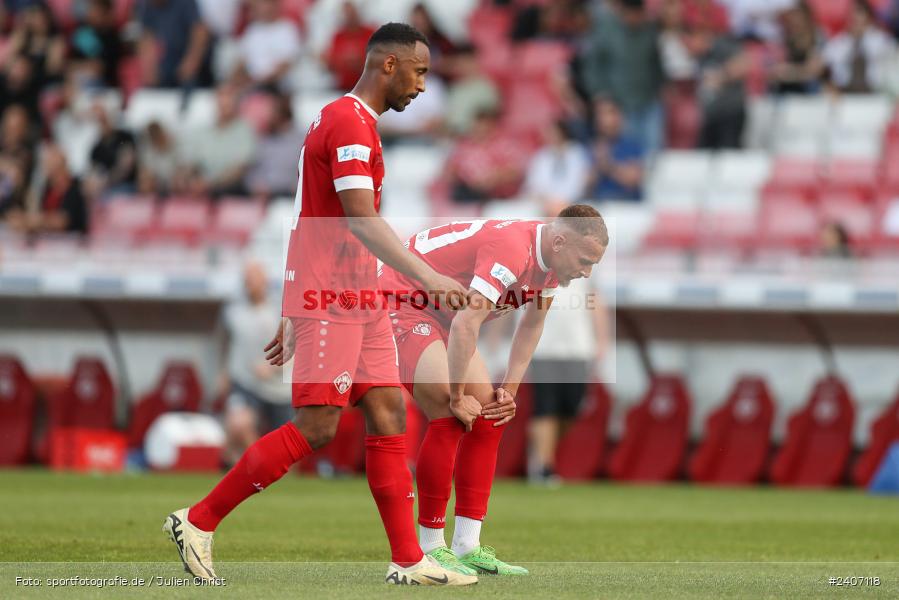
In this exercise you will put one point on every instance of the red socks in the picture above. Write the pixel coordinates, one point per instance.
(477, 465)
(434, 469)
(264, 463)
(391, 486)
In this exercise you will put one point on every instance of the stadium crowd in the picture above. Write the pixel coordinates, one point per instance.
(559, 100)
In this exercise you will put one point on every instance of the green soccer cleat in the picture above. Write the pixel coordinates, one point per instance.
(483, 559)
(449, 561)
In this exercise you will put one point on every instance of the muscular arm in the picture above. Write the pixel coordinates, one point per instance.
(463, 340)
(527, 334)
(374, 232)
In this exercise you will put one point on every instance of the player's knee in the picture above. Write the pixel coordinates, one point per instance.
(318, 428)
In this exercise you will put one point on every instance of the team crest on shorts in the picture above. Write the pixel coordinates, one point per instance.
(343, 382)
(422, 329)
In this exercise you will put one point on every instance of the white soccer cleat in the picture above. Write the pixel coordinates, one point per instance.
(427, 572)
(194, 545)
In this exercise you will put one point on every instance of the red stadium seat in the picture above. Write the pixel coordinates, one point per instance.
(581, 450)
(831, 15)
(853, 176)
(88, 400)
(684, 117)
(513, 448)
(655, 436)
(736, 442)
(729, 230)
(796, 175)
(488, 25)
(235, 220)
(182, 220)
(18, 398)
(819, 438)
(884, 433)
(789, 224)
(856, 216)
(178, 389)
(125, 219)
(531, 106)
(673, 230)
(541, 59)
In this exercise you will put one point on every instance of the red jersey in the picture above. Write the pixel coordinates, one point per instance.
(499, 259)
(328, 269)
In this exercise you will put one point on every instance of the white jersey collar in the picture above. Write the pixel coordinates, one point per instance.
(370, 110)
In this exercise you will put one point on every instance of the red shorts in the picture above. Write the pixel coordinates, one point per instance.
(414, 331)
(335, 364)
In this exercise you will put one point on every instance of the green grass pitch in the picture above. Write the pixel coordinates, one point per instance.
(306, 538)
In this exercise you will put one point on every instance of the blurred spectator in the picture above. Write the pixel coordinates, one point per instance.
(834, 241)
(422, 120)
(55, 201)
(96, 48)
(624, 64)
(113, 157)
(800, 69)
(174, 48)
(471, 91)
(441, 45)
(547, 20)
(216, 159)
(269, 46)
(36, 37)
(706, 14)
(722, 89)
(677, 62)
(564, 362)
(575, 338)
(558, 173)
(617, 172)
(859, 57)
(221, 16)
(16, 158)
(485, 164)
(274, 172)
(157, 160)
(18, 87)
(756, 19)
(346, 55)
(258, 398)
(891, 17)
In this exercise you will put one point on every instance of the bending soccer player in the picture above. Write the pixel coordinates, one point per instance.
(506, 265)
(344, 350)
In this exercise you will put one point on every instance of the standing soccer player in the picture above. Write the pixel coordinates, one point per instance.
(506, 265)
(344, 351)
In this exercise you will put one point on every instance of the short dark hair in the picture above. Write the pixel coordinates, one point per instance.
(585, 220)
(396, 34)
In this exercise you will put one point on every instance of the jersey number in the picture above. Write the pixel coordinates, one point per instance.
(424, 243)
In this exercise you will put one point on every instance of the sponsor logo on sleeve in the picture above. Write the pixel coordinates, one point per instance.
(503, 274)
(353, 152)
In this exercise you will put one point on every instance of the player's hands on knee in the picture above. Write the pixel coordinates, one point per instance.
(502, 409)
(455, 294)
(281, 348)
(465, 408)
